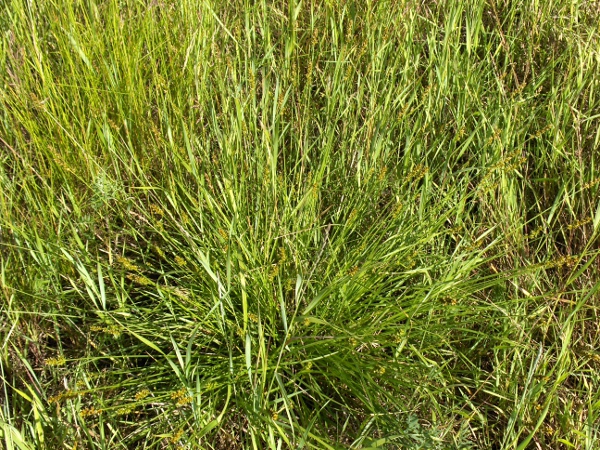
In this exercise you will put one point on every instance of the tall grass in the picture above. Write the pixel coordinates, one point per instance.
(340, 224)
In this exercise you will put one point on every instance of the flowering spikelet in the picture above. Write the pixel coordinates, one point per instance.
(177, 436)
(181, 262)
(124, 410)
(543, 130)
(67, 395)
(179, 394)
(460, 134)
(397, 209)
(282, 255)
(210, 386)
(252, 79)
(113, 330)
(569, 261)
(349, 72)
(274, 272)
(315, 190)
(309, 72)
(399, 336)
(495, 136)
(91, 411)
(362, 247)
(503, 165)
(140, 395)
(591, 183)
(315, 37)
(410, 261)
(55, 399)
(289, 284)
(127, 264)
(140, 279)
(518, 162)
(208, 181)
(181, 397)
(185, 219)
(157, 210)
(159, 251)
(417, 172)
(352, 215)
(535, 233)
(184, 401)
(579, 223)
(404, 111)
(382, 174)
(55, 362)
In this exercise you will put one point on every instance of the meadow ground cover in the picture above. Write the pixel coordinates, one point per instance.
(299, 224)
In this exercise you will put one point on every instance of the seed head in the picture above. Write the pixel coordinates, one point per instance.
(55, 362)
(142, 394)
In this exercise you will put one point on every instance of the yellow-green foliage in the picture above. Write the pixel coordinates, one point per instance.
(299, 224)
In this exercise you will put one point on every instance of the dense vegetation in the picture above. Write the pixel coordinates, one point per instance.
(299, 224)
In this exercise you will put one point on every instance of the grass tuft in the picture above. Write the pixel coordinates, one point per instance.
(346, 224)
